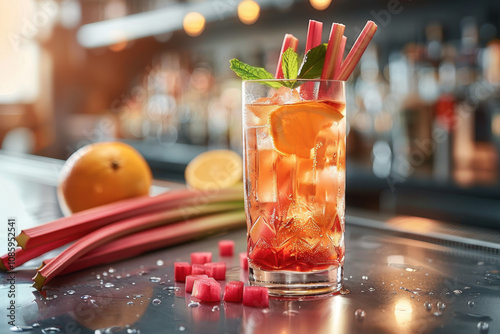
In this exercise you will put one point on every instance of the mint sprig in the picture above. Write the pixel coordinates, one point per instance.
(311, 68)
(248, 72)
(313, 63)
(290, 65)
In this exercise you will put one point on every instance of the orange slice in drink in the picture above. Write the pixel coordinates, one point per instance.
(294, 127)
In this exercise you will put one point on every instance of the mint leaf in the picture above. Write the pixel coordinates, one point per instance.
(248, 72)
(290, 64)
(313, 63)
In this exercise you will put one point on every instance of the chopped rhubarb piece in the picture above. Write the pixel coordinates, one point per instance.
(216, 270)
(256, 296)
(206, 289)
(127, 227)
(244, 260)
(233, 291)
(181, 270)
(201, 257)
(226, 248)
(198, 269)
(332, 51)
(289, 41)
(190, 279)
(357, 50)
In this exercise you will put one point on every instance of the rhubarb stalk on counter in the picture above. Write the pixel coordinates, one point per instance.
(114, 231)
(83, 222)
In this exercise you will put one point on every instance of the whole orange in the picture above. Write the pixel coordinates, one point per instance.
(102, 173)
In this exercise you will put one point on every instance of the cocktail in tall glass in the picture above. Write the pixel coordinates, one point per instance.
(294, 170)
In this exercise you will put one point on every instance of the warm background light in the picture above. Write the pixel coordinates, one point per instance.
(320, 4)
(248, 11)
(194, 24)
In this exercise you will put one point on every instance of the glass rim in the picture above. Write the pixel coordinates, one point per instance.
(289, 80)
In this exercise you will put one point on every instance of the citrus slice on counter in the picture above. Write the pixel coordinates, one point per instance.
(102, 173)
(217, 169)
(294, 127)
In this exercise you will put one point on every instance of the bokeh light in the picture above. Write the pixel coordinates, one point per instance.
(194, 24)
(248, 11)
(320, 4)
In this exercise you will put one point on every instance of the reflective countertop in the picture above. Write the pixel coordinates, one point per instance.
(394, 283)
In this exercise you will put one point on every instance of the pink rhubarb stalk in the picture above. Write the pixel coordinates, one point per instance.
(333, 51)
(289, 41)
(314, 35)
(340, 58)
(89, 220)
(22, 256)
(357, 50)
(109, 233)
(156, 238)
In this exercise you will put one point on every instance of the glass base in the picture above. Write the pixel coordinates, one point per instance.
(293, 283)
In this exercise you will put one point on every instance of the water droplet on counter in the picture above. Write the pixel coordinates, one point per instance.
(405, 267)
(51, 330)
(172, 288)
(36, 325)
(70, 292)
(466, 287)
(181, 328)
(471, 303)
(360, 314)
(156, 302)
(154, 279)
(364, 277)
(480, 263)
(86, 297)
(138, 296)
(111, 270)
(428, 306)
(215, 308)
(98, 276)
(441, 305)
(457, 292)
(291, 313)
(371, 289)
(130, 303)
(193, 304)
(483, 327)
(21, 328)
(437, 314)
(109, 285)
(105, 274)
(133, 331)
(160, 263)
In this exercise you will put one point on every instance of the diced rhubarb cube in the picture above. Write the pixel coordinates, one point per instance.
(201, 257)
(244, 260)
(206, 289)
(198, 269)
(190, 279)
(256, 296)
(226, 248)
(233, 291)
(216, 270)
(181, 270)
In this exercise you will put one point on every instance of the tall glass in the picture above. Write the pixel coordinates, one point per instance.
(294, 175)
